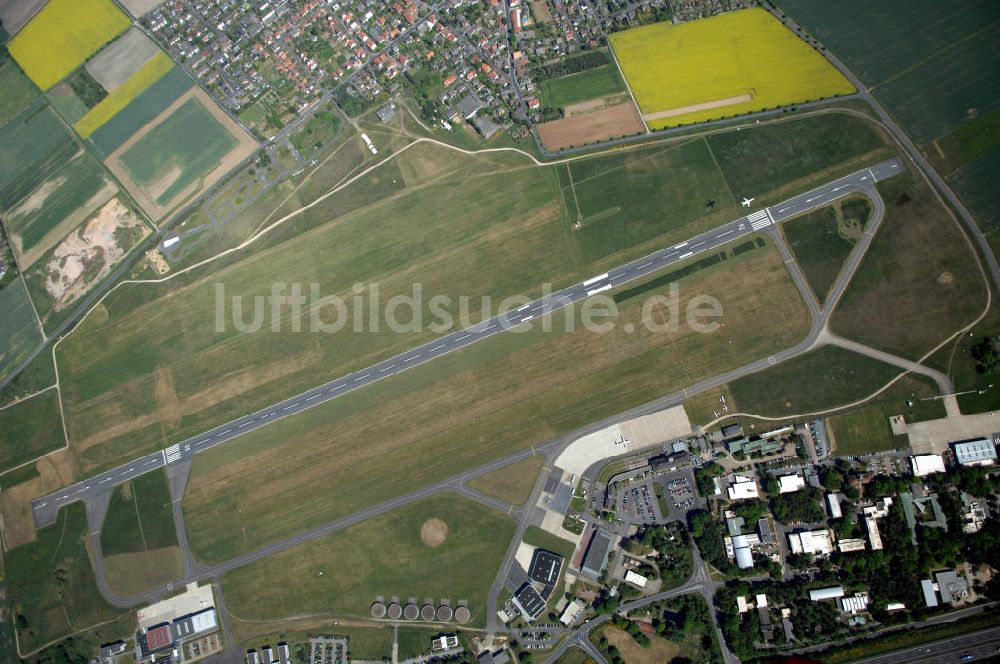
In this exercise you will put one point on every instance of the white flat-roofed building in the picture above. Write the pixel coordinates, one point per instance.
(571, 612)
(981, 452)
(851, 544)
(833, 592)
(635, 579)
(743, 490)
(854, 604)
(874, 537)
(790, 483)
(833, 502)
(927, 464)
(815, 542)
(742, 553)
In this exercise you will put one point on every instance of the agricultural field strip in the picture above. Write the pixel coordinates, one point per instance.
(45, 509)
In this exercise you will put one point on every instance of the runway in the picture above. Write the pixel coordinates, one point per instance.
(46, 509)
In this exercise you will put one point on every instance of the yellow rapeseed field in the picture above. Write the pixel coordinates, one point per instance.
(120, 97)
(721, 66)
(63, 35)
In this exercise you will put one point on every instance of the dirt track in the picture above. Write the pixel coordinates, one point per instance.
(618, 120)
(694, 108)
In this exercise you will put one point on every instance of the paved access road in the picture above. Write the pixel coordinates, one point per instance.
(46, 509)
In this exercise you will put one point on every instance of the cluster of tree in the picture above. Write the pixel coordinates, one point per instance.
(703, 478)
(574, 65)
(605, 604)
(672, 546)
(632, 627)
(708, 535)
(802, 506)
(688, 617)
(74, 650)
(984, 352)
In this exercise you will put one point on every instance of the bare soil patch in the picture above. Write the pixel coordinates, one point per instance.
(610, 122)
(540, 10)
(434, 532)
(54, 472)
(122, 58)
(694, 108)
(15, 14)
(139, 8)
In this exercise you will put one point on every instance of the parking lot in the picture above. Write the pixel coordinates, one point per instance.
(637, 504)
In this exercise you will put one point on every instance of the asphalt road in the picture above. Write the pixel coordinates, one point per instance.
(981, 645)
(45, 509)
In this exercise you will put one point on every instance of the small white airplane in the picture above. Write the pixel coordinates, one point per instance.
(747, 201)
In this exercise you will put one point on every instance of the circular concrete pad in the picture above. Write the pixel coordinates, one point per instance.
(410, 612)
(395, 611)
(444, 613)
(378, 610)
(463, 615)
(434, 532)
(427, 612)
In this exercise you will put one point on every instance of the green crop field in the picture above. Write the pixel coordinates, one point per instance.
(18, 91)
(58, 206)
(822, 240)
(66, 102)
(341, 574)
(493, 398)
(138, 538)
(190, 142)
(928, 62)
(29, 429)
(140, 111)
(920, 275)
(604, 81)
(32, 145)
(822, 379)
(512, 483)
(975, 183)
(19, 333)
(51, 584)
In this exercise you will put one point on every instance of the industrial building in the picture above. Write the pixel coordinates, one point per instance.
(544, 568)
(819, 594)
(529, 602)
(833, 504)
(979, 452)
(790, 483)
(814, 542)
(596, 557)
(927, 464)
(743, 488)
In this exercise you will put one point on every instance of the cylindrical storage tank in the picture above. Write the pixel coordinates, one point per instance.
(378, 610)
(427, 612)
(411, 612)
(463, 615)
(395, 611)
(444, 613)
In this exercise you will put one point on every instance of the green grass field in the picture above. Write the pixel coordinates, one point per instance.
(138, 538)
(19, 333)
(39, 374)
(51, 583)
(513, 483)
(190, 141)
(822, 240)
(32, 145)
(493, 398)
(974, 183)
(29, 429)
(58, 206)
(317, 132)
(140, 111)
(66, 102)
(18, 91)
(161, 382)
(596, 83)
(919, 273)
(821, 379)
(965, 144)
(575, 656)
(808, 147)
(866, 430)
(341, 574)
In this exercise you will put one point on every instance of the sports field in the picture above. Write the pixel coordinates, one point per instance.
(18, 91)
(57, 206)
(124, 94)
(19, 333)
(32, 145)
(138, 538)
(55, 604)
(441, 547)
(502, 394)
(64, 34)
(595, 83)
(29, 429)
(721, 66)
(919, 273)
